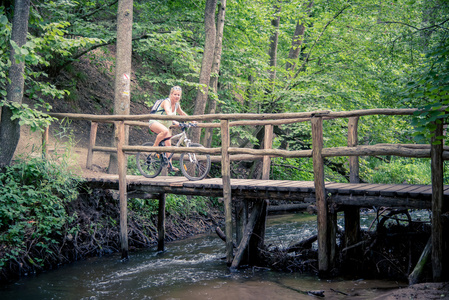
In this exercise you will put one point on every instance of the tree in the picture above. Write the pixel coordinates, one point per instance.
(216, 68)
(206, 66)
(122, 85)
(297, 42)
(9, 126)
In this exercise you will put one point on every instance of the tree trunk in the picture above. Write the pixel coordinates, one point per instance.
(206, 66)
(216, 68)
(10, 129)
(122, 84)
(297, 41)
(274, 44)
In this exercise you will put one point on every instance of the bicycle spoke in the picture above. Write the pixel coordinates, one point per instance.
(194, 166)
(149, 163)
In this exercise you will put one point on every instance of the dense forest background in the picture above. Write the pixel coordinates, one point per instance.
(276, 56)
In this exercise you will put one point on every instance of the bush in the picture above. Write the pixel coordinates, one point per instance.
(398, 170)
(33, 215)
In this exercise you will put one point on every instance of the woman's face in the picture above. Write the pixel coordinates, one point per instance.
(176, 95)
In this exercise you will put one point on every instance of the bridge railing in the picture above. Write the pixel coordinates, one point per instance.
(225, 154)
(268, 120)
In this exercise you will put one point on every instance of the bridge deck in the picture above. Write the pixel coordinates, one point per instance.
(344, 194)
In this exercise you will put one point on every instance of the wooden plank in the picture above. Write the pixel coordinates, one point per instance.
(390, 191)
(408, 192)
(346, 188)
(349, 188)
(423, 191)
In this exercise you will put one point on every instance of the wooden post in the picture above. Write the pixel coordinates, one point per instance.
(438, 248)
(227, 197)
(45, 142)
(352, 214)
(161, 223)
(92, 140)
(268, 144)
(352, 142)
(320, 195)
(121, 161)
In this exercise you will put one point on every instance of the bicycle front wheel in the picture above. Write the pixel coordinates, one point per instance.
(149, 163)
(195, 166)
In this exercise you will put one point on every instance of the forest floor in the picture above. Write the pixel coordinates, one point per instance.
(94, 95)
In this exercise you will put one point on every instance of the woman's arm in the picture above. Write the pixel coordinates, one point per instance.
(166, 106)
(180, 111)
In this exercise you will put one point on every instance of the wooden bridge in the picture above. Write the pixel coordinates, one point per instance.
(328, 197)
(341, 194)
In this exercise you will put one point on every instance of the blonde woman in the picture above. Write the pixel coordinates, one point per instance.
(170, 106)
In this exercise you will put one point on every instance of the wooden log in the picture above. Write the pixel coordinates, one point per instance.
(413, 278)
(90, 147)
(304, 244)
(276, 116)
(255, 214)
(108, 118)
(222, 236)
(257, 239)
(121, 161)
(438, 247)
(372, 150)
(320, 195)
(227, 196)
(288, 207)
(161, 223)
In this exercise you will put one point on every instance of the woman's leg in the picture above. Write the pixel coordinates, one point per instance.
(162, 133)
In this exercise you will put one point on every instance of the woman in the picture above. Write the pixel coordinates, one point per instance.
(169, 106)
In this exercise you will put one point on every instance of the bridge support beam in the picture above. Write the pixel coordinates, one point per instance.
(439, 227)
(324, 234)
(227, 197)
(121, 161)
(161, 223)
(352, 214)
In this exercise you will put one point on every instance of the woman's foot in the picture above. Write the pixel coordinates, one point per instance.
(171, 168)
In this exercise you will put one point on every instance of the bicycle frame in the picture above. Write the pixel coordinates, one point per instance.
(193, 167)
(182, 139)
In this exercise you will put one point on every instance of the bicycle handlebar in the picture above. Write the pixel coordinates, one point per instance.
(187, 125)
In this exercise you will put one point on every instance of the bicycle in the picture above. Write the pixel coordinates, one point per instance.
(192, 166)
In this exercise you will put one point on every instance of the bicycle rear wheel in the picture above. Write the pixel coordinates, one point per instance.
(149, 163)
(195, 166)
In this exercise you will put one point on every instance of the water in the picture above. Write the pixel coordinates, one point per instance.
(190, 269)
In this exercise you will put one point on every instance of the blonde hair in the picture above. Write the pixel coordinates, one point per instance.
(175, 88)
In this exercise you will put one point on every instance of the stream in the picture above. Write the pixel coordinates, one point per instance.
(193, 268)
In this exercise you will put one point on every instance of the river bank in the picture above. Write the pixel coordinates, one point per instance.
(193, 268)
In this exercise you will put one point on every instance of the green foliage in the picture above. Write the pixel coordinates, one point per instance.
(431, 92)
(176, 205)
(397, 171)
(33, 198)
(292, 169)
(27, 116)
